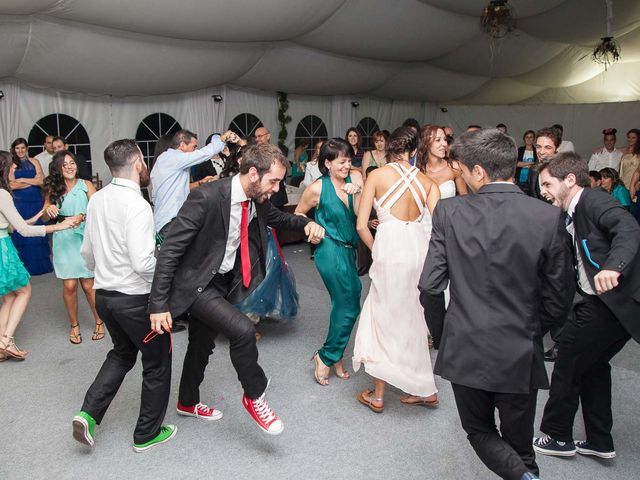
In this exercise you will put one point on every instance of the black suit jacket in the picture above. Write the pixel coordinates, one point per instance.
(195, 245)
(508, 258)
(608, 238)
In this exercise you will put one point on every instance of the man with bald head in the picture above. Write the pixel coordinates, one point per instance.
(262, 135)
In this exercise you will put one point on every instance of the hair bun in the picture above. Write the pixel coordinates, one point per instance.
(609, 131)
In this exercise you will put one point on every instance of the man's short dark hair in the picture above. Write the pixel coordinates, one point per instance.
(182, 136)
(595, 174)
(551, 133)
(562, 164)
(411, 122)
(501, 125)
(121, 154)
(261, 156)
(58, 138)
(489, 148)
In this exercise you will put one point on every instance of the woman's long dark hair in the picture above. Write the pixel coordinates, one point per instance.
(232, 163)
(14, 144)
(54, 185)
(5, 168)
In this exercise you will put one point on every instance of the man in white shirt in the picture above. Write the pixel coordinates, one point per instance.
(46, 155)
(119, 247)
(565, 145)
(607, 156)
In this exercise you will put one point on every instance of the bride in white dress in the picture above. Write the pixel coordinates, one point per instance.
(391, 340)
(432, 160)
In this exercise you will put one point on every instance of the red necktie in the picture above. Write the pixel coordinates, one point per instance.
(244, 245)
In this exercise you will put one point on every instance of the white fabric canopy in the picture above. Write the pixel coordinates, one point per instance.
(427, 50)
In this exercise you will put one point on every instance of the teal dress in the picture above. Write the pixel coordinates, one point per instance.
(303, 161)
(335, 259)
(67, 261)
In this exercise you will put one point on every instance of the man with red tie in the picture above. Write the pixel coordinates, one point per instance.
(214, 256)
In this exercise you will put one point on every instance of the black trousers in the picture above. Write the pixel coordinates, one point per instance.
(590, 339)
(434, 312)
(509, 453)
(128, 324)
(211, 314)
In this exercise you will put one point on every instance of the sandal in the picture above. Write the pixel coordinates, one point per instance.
(422, 401)
(321, 379)
(344, 375)
(367, 400)
(7, 354)
(73, 338)
(97, 334)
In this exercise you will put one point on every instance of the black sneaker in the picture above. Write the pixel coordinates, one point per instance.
(549, 446)
(583, 447)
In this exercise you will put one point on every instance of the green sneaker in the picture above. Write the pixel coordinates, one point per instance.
(83, 427)
(167, 432)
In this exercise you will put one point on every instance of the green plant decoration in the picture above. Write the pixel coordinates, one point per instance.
(283, 119)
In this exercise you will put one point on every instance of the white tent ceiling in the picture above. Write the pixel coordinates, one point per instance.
(424, 50)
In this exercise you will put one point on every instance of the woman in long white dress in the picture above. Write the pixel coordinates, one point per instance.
(392, 337)
(432, 160)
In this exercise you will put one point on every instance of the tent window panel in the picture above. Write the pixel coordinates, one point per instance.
(312, 129)
(245, 124)
(60, 125)
(366, 128)
(150, 129)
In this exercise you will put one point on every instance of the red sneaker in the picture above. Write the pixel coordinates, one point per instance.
(261, 412)
(200, 411)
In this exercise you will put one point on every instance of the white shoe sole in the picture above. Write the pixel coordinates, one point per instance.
(586, 451)
(554, 453)
(270, 432)
(81, 431)
(217, 415)
(144, 449)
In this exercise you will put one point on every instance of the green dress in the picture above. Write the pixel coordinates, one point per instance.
(67, 261)
(335, 259)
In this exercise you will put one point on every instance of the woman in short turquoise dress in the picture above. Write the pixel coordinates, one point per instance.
(15, 290)
(68, 196)
(332, 195)
(26, 184)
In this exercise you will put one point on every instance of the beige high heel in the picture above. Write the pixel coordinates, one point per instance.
(322, 380)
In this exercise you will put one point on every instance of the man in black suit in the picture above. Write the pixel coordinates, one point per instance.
(605, 239)
(213, 256)
(508, 260)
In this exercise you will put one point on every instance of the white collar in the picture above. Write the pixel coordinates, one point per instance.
(124, 182)
(574, 201)
(237, 192)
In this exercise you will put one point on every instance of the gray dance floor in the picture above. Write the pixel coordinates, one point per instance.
(328, 434)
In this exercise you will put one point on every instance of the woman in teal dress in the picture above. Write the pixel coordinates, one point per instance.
(15, 289)
(300, 158)
(332, 195)
(68, 196)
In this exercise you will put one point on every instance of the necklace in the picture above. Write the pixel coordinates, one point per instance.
(436, 170)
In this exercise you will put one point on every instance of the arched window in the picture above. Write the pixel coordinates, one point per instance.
(310, 128)
(61, 125)
(367, 127)
(150, 130)
(245, 124)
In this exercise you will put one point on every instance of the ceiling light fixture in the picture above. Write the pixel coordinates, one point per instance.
(607, 52)
(497, 19)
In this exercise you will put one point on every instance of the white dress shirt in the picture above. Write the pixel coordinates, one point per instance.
(233, 239)
(566, 146)
(170, 179)
(603, 158)
(45, 159)
(583, 279)
(119, 239)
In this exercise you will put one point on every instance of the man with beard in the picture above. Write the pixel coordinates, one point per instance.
(119, 247)
(607, 262)
(214, 256)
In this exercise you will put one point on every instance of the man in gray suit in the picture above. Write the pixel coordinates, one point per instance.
(508, 259)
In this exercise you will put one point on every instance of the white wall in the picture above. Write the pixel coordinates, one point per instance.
(107, 118)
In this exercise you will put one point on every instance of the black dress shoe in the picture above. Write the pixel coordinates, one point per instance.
(551, 355)
(178, 327)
